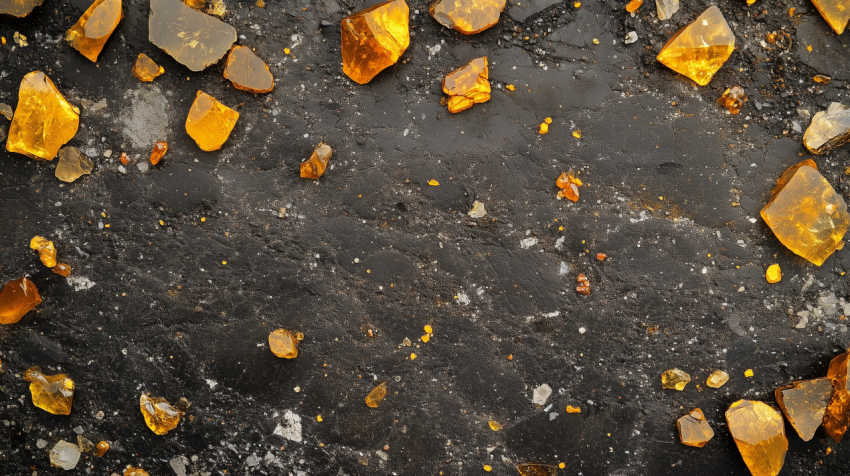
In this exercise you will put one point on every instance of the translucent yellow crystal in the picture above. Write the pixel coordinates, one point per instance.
(467, 16)
(193, 38)
(804, 404)
(674, 379)
(315, 166)
(17, 298)
(759, 433)
(72, 164)
(92, 30)
(43, 121)
(376, 395)
(693, 429)
(159, 415)
(374, 39)
(18, 8)
(700, 49)
(247, 71)
(829, 129)
(51, 393)
(836, 419)
(283, 344)
(146, 69)
(210, 122)
(717, 379)
(467, 85)
(46, 250)
(835, 12)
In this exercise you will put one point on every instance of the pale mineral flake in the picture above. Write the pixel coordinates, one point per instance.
(65, 455)
(6, 110)
(478, 210)
(829, 129)
(541, 394)
(804, 404)
(666, 8)
(191, 37)
(18, 8)
(72, 164)
(374, 39)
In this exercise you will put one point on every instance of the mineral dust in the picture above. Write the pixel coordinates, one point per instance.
(193, 38)
(374, 39)
(376, 395)
(700, 49)
(759, 433)
(804, 404)
(674, 379)
(467, 16)
(837, 416)
(89, 34)
(145, 69)
(51, 393)
(733, 99)
(159, 415)
(633, 5)
(467, 85)
(315, 166)
(247, 71)
(46, 250)
(829, 129)
(693, 429)
(18, 8)
(569, 184)
(209, 122)
(72, 164)
(17, 298)
(283, 344)
(835, 12)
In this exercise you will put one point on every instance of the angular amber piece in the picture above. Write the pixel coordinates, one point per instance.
(92, 30)
(467, 16)
(806, 214)
(315, 166)
(131, 471)
(102, 448)
(572, 409)
(18, 8)
(829, 129)
(44, 120)
(536, 469)
(835, 12)
(376, 395)
(717, 379)
(159, 415)
(700, 49)
(773, 274)
(191, 37)
(569, 184)
(159, 150)
(804, 404)
(17, 298)
(62, 269)
(821, 79)
(633, 5)
(283, 344)
(374, 39)
(247, 71)
(210, 122)
(674, 379)
(759, 432)
(85, 444)
(46, 250)
(837, 416)
(51, 393)
(72, 164)
(146, 69)
(468, 85)
(196, 4)
(693, 429)
(733, 99)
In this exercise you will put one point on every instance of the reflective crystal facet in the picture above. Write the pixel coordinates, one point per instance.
(72, 164)
(159, 415)
(804, 404)
(536, 469)
(733, 99)
(693, 429)
(210, 122)
(374, 39)
(376, 395)
(17, 298)
(146, 69)
(829, 129)
(467, 16)
(247, 71)
(193, 38)
(51, 393)
(315, 166)
(283, 344)
(64, 455)
(18, 8)
(158, 151)
(44, 120)
(717, 379)
(46, 250)
(700, 49)
(468, 85)
(835, 12)
(92, 30)
(674, 379)
(569, 184)
(837, 416)
(759, 432)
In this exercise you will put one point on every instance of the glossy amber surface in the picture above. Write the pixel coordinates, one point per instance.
(759, 433)
(804, 404)
(17, 298)
(836, 419)
(210, 122)
(18, 8)
(717, 379)
(72, 164)
(674, 379)
(694, 430)
(569, 184)
(102, 448)
(247, 71)
(467, 16)
(46, 250)
(376, 395)
(283, 344)
(159, 415)
(89, 34)
(835, 12)
(374, 39)
(145, 69)
(44, 120)
(315, 166)
(193, 38)
(51, 393)
(701, 48)
(733, 99)
(467, 85)
(158, 151)
(62, 269)
(829, 129)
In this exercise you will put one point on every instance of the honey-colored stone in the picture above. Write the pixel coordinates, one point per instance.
(836, 419)
(217, 8)
(72, 164)
(835, 12)
(759, 433)
(159, 415)
(633, 5)
(102, 448)
(89, 34)
(44, 120)
(376, 395)
(733, 99)
(315, 166)
(145, 69)
(569, 184)
(804, 404)
(51, 393)
(210, 122)
(374, 39)
(46, 250)
(693, 429)
(158, 151)
(18, 8)
(85, 444)
(536, 469)
(806, 214)
(467, 85)
(247, 71)
(700, 49)
(62, 269)
(773, 274)
(17, 298)
(674, 379)
(283, 344)
(193, 38)
(821, 79)
(717, 379)
(829, 129)
(467, 16)
(131, 471)
(196, 4)
(494, 425)
(573, 409)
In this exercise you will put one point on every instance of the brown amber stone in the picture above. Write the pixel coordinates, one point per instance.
(191, 37)
(92, 30)
(468, 85)
(46, 250)
(314, 167)
(835, 12)
(633, 5)
(693, 429)
(247, 71)
(569, 184)
(210, 122)
(17, 298)
(674, 379)
(821, 79)
(18, 8)
(806, 214)
(536, 469)
(44, 120)
(804, 404)
(51, 393)
(837, 416)
(829, 129)
(717, 379)
(159, 150)
(759, 432)
(376, 395)
(159, 415)
(283, 344)
(102, 448)
(733, 99)
(131, 471)
(700, 49)
(374, 39)
(62, 269)
(146, 69)
(72, 164)
(467, 16)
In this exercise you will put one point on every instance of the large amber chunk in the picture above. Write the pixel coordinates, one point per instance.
(374, 39)
(467, 16)
(536, 469)
(283, 344)
(193, 38)
(18, 8)
(837, 416)
(46, 250)
(247, 71)
(804, 404)
(51, 393)
(693, 429)
(829, 129)
(700, 49)
(44, 120)
(759, 432)
(315, 166)
(468, 85)
(376, 395)
(92, 30)
(835, 12)
(146, 69)
(159, 415)
(806, 214)
(210, 122)
(17, 298)
(72, 164)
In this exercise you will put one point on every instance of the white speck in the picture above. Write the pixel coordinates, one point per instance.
(211, 383)
(80, 283)
(478, 210)
(582, 330)
(463, 299)
(528, 243)
(559, 243)
(564, 269)
(705, 271)
(142, 166)
(541, 394)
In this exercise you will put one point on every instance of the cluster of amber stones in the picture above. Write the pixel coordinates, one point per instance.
(569, 184)
(467, 85)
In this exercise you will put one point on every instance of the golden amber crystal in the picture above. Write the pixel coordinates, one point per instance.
(376, 395)
(759, 432)
(835, 12)
(283, 344)
(468, 85)
(44, 120)
(374, 39)
(51, 393)
(18, 8)
(806, 214)
(536, 469)
(315, 166)
(210, 122)
(633, 5)
(62, 269)
(92, 30)
(102, 448)
(46, 250)
(494, 425)
(717, 379)
(693, 429)
(6, 110)
(146, 69)
(733, 99)
(131, 471)
(193, 38)
(829, 129)
(158, 151)
(85, 444)
(247, 71)
(17, 298)
(569, 184)
(837, 416)
(700, 49)
(821, 79)
(804, 404)
(773, 274)
(72, 164)
(159, 415)
(674, 379)
(467, 16)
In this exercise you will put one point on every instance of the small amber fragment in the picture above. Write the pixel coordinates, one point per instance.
(601, 256)
(247, 71)
(283, 344)
(821, 79)
(837, 416)
(17, 298)
(72, 164)
(89, 34)
(376, 395)
(159, 415)
(62, 269)
(146, 69)
(536, 469)
(102, 448)
(159, 150)
(804, 404)
(46, 250)
(196, 4)
(759, 433)
(85, 444)
(666, 8)
(674, 379)
(700, 49)
(829, 129)
(693, 429)
(544, 128)
(569, 184)
(467, 85)
(315, 166)
(467, 16)
(748, 373)
(572, 409)
(717, 379)
(18, 8)
(633, 5)
(51, 393)
(733, 99)
(260, 3)
(124, 160)
(131, 471)
(210, 122)
(494, 425)
(191, 37)
(835, 12)
(773, 274)
(374, 39)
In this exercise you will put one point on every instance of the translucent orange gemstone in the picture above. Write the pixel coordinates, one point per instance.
(17, 298)
(72, 164)
(102, 448)
(191, 37)
(836, 420)
(700, 49)
(46, 250)
(51, 393)
(467, 85)
(62, 269)
(159, 415)
(92, 30)
(376, 395)
(18, 8)
(146, 69)
(210, 122)
(44, 120)
(759, 433)
(283, 344)
(675, 379)
(821, 79)
(733, 99)
(315, 166)
(374, 39)
(835, 12)
(467, 16)
(633, 5)
(159, 150)
(494, 425)
(569, 184)
(247, 71)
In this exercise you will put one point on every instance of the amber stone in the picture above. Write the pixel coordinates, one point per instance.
(158, 151)
(196, 4)
(804, 404)
(573, 409)
(829, 129)
(17, 298)
(666, 8)
(18, 8)
(72, 164)
(821, 79)
(674, 379)
(315, 166)
(247, 71)
(494, 425)
(62, 269)
(633, 5)
(46, 250)
(835, 12)
(210, 122)
(468, 85)
(44, 120)
(837, 416)
(717, 379)
(85, 444)
(733, 99)
(759, 433)
(693, 429)
(806, 214)
(773, 274)
(467, 16)
(376, 395)
(131, 471)
(374, 39)
(569, 184)
(51, 393)
(146, 69)
(283, 344)
(159, 415)
(92, 30)
(536, 469)
(193, 38)
(102, 448)
(700, 49)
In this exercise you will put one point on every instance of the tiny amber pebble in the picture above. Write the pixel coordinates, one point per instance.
(601, 256)
(376, 395)
(819, 78)
(51, 393)
(283, 344)
(159, 150)
(773, 274)
(633, 5)
(17, 298)
(717, 379)
(569, 184)
(46, 250)
(748, 373)
(159, 415)
(210, 122)
(674, 379)
(102, 448)
(544, 128)
(494, 425)
(146, 69)
(572, 409)
(62, 269)
(584, 289)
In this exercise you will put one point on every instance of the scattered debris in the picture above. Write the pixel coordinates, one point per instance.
(541, 394)
(631, 37)
(478, 210)
(733, 99)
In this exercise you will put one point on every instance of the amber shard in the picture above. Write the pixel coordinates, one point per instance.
(804, 404)
(633, 5)
(193, 38)
(759, 432)
(374, 39)
(837, 416)
(536, 469)
(314, 167)
(146, 69)
(283, 344)
(196, 4)
(102, 448)
(72, 164)
(666, 8)
(131, 471)
(829, 129)
(92, 30)
(158, 151)
(700, 49)
(693, 429)
(717, 379)
(46, 250)
(569, 184)
(160, 416)
(674, 379)
(467, 16)
(821, 79)
(62, 269)
(835, 12)
(806, 214)
(733, 99)
(44, 120)
(210, 122)
(494, 425)
(17, 298)
(468, 85)
(51, 393)
(376, 395)
(247, 71)
(18, 8)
